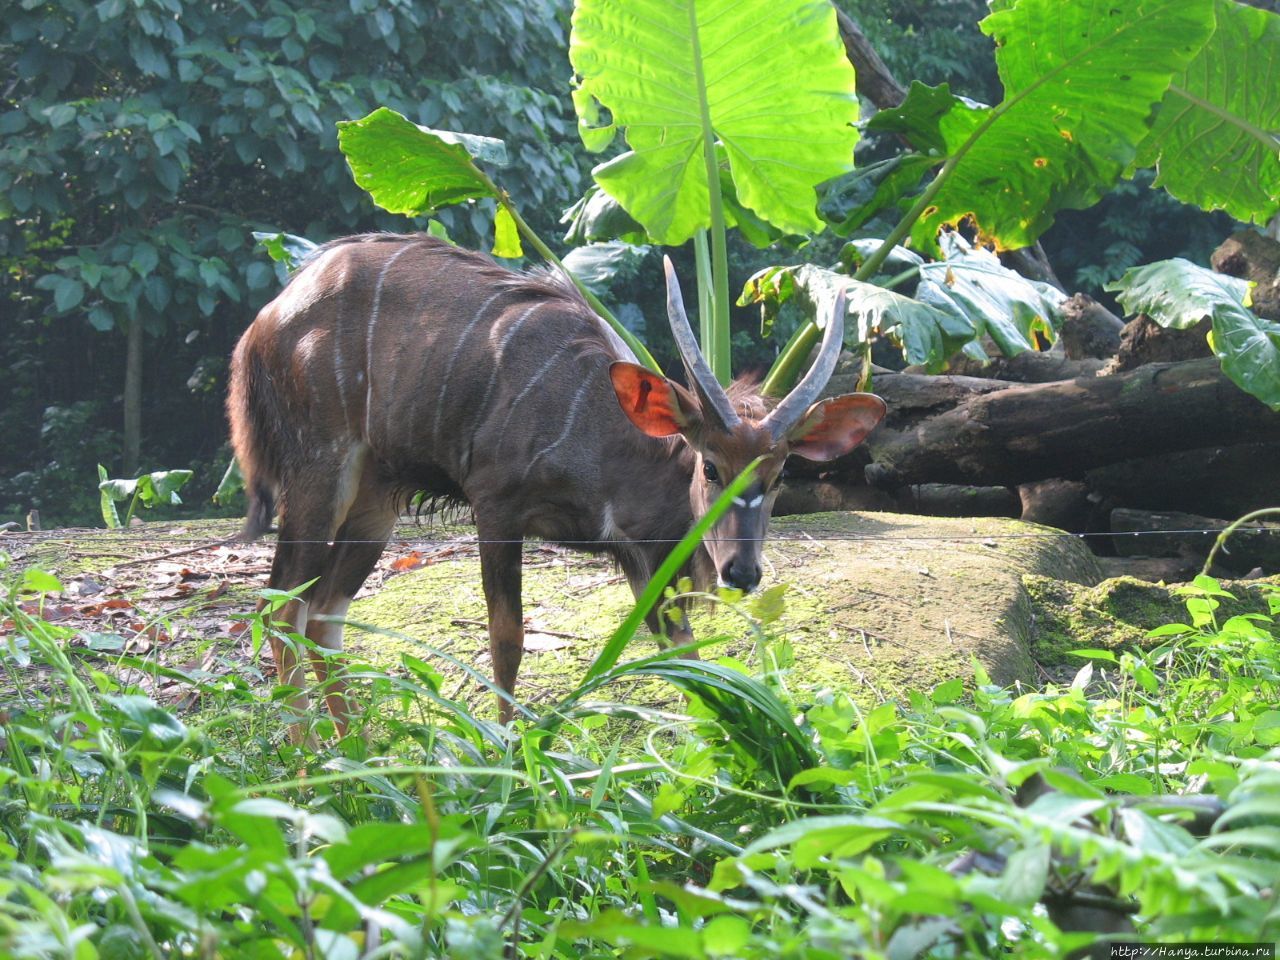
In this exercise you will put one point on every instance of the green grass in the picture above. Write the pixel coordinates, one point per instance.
(761, 819)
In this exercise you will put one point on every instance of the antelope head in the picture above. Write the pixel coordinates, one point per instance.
(725, 436)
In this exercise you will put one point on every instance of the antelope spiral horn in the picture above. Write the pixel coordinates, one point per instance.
(793, 406)
(715, 402)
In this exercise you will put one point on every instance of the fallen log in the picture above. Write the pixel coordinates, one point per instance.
(1171, 533)
(955, 500)
(999, 434)
(1027, 367)
(1218, 481)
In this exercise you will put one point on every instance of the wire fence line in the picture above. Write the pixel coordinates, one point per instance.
(27, 538)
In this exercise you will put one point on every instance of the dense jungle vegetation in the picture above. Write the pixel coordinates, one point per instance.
(162, 164)
(145, 143)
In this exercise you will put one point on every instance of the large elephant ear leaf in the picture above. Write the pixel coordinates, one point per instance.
(767, 79)
(1081, 80)
(1216, 139)
(1179, 294)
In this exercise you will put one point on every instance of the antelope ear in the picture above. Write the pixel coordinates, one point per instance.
(831, 428)
(654, 404)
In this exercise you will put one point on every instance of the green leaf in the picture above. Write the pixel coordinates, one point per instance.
(597, 218)
(506, 235)
(972, 284)
(600, 265)
(285, 247)
(850, 202)
(108, 502)
(414, 170)
(929, 336)
(1179, 294)
(67, 294)
(768, 79)
(1025, 875)
(38, 581)
(1080, 81)
(615, 927)
(814, 838)
(1215, 141)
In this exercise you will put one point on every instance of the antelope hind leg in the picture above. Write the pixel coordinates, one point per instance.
(357, 546)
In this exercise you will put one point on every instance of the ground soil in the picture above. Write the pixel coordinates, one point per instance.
(872, 603)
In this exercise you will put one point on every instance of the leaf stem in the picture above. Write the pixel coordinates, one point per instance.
(786, 369)
(1219, 543)
(717, 350)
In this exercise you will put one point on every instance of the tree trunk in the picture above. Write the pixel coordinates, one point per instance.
(875, 82)
(133, 398)
(1006, 435)
(1089, 329)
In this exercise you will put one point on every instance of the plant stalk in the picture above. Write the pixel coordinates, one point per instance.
(717, 349)
(786, 369)
(535, 241)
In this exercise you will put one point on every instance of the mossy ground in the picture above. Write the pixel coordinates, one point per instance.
(1116, 613)
(874, 604)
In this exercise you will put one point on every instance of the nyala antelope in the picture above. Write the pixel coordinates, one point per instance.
(395, 364)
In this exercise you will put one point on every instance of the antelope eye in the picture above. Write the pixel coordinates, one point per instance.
(710, 472)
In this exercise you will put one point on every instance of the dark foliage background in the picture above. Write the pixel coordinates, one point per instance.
(143, 142)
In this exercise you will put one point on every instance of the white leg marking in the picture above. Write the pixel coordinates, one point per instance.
(325, 633)
(373, 322)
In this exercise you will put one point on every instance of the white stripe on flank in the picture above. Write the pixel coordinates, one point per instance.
(564, 434)
(373, 322)
(500, 351)
(453, 358)
(533, 382)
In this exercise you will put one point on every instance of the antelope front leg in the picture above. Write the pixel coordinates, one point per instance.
(668, 633)
(500, 572)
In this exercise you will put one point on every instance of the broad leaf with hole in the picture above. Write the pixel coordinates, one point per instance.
(1080, 82)
(973, 285)
(1179, 294)
(928, 336)
(414, 170)
(768, 79)
(1216, 139)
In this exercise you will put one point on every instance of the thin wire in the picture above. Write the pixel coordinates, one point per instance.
(99, 536)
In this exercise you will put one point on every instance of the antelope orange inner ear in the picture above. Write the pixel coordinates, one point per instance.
(831, 428)
(648, 400)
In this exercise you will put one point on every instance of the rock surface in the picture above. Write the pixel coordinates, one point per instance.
(874, 603)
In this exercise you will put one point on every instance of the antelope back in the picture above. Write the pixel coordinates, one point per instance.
(454, 376)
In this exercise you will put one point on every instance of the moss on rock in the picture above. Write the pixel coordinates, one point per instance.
(875, 604)
(1115, 613)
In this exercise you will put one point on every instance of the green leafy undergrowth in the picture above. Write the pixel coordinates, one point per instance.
(759, 820)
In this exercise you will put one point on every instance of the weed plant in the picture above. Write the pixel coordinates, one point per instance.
(762, 820)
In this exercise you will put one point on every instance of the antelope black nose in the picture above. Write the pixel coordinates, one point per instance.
(741, 574)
